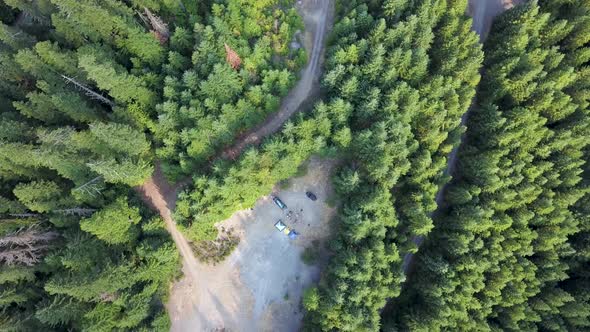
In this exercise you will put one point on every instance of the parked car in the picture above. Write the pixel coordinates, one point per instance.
(311, 195)
(279, 203)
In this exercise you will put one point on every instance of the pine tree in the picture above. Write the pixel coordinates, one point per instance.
(409, 71)
(115, 223)
(111, 22)
(65, 132)
(115, 79)
(40, 196)
(498, 254)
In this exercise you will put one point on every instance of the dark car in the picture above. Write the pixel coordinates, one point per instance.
(311, 195)
(279, 202)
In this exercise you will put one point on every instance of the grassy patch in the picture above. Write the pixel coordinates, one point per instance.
(285, 184)
(213, 252)
(302, 169)
(311, 254)
(332, 201)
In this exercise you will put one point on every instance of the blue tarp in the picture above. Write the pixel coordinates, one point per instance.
(293, 235)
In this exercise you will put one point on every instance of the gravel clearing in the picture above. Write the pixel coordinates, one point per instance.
(259, 286)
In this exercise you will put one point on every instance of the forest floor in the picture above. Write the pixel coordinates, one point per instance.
(211, 298)
(259, 286)
(483, 13)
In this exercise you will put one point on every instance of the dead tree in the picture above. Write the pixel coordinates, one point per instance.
(25, 246)
(182, 5)
(232, 58)
(159, 28)
(22, 256)
(91, 188)
(90, 93)
(76, 211)
(35, 17)
(54, 137)
(27, 237)
(108, 297)
(24, 215)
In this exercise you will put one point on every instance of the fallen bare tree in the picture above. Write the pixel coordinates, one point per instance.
(159, 28)
(26, 246)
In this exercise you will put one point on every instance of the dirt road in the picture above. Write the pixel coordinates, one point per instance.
(210, 298)
(316, 16)
(162, 197)
(483, 13)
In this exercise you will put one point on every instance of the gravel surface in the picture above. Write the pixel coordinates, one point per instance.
(259, 286)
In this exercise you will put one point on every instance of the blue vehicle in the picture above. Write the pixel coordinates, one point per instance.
(278, 202)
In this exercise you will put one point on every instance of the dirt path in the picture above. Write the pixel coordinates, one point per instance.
(211, 298)
(316, 16)
(162, 197)
(483, 13)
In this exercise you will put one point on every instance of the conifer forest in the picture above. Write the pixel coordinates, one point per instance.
(460, 191)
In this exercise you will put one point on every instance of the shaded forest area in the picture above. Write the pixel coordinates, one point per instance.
(91, 92)
(510, 246)
(508, 249)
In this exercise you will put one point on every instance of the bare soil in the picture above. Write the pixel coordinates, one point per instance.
(259, 286)
(161, 196)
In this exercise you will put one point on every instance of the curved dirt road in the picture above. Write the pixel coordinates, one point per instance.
(315, 15)
(192, 291)
(483, 13)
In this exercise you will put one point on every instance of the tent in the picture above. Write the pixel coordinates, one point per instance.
(286, 230)
(280, 226)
